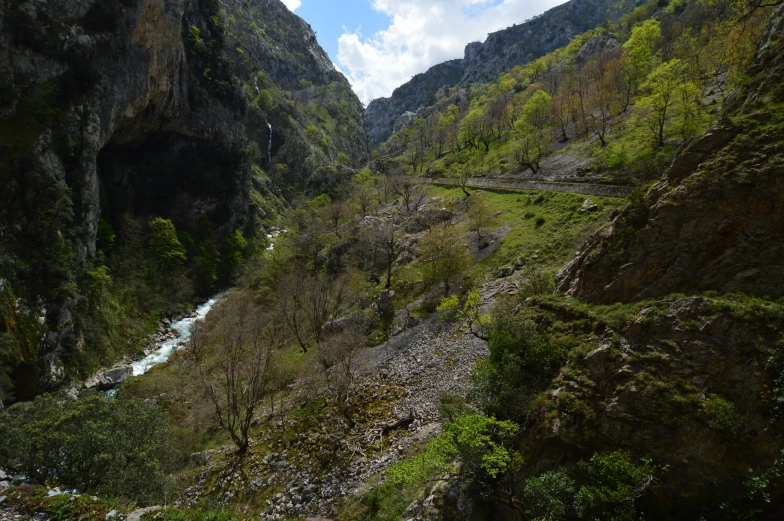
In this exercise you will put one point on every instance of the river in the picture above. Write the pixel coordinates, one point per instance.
(183, 327)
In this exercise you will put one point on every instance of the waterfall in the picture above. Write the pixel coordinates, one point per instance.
(269, 146)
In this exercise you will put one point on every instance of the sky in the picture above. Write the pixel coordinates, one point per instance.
(381, 44)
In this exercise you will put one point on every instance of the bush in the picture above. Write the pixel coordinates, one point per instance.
(550, 496)
(521, 363)
(614, 483)
(722, 415)
(94, 444)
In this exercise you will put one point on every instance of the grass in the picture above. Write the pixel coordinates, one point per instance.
(545, 227)
(62, 507)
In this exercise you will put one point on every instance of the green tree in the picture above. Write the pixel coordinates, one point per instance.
(654, 111)
(110, 447)
(444, 256)
(615, 482)
(232, 254)
(167, 251)
(521, 362)
(641, 46)
(468, 315)
(533, 136)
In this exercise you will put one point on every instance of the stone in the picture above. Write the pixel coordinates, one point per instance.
(504, 271)
(114, 377)
(201, 458)
(137, 514)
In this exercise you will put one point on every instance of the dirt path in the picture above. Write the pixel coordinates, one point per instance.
(505, 184)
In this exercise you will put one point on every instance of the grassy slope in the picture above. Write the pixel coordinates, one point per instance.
(548, 245)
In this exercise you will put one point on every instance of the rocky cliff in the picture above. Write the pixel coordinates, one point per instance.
(715, 222)
(483, 62)
(178, 108)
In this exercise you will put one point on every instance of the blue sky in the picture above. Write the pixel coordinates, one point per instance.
(381, 44)
(331, 19)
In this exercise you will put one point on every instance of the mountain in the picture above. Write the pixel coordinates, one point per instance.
(483, 62)
(195, 111)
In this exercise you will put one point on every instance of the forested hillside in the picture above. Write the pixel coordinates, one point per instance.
(552, 296)
(147, 148)
(613, 106)
(484, 62)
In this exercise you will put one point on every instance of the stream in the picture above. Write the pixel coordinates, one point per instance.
(168, 347)
(183, 326)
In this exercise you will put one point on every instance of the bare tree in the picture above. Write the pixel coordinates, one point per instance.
(337, 214)
(337, 354)
(233, 362)
(412, 193)
(290, 299)
(387, 241)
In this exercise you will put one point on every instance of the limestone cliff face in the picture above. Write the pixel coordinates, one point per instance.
(483, 62)
(151, 107)
(381, 113)
(716, 222)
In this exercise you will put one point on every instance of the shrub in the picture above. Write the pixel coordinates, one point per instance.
(614, 483)
(94, 444)
(722, 415)
(521, 363)
(550, 496)
(540, 221)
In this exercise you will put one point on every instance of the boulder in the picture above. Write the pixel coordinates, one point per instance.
(114, 377)
(137, 514)
(201, 458)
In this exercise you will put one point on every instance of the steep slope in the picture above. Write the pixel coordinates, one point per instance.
(483, 62)
(715, 221)
(169, 108)
(691, 382)
(381, 113)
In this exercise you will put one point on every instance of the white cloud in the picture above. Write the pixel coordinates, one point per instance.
(292, 4)
(421, 34)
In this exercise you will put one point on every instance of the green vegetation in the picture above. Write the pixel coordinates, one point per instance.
(631, 108)
(111, 447)
(545, 244)
(62, 507)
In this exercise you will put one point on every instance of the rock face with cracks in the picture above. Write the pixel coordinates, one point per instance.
(151, 107)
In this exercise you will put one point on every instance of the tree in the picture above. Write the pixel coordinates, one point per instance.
(412, 193)
(113, 447)
(443, 255)
(475, 129)
(529, 147)
(234, 362)
(532, 130)
(336, 355)
(461, 175)
(290, 298)
(641, 46)
(654, 111)
(167, 251)
(387, 241)
(602, 99)
(479, 214)
(469, 315)
(337, 212)
(365, 184)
